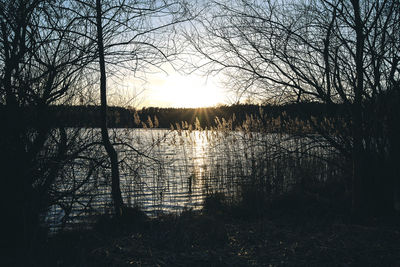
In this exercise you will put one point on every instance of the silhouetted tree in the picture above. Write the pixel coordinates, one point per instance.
(130, 36)
(115, 182)
(333, 52)
(41, 61)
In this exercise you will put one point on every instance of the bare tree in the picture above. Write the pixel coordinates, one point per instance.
(48, 49)
(42, 61)
(133, 36)
(334, 52)
(115, 182)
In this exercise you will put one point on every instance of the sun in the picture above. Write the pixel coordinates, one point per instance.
(186, 91)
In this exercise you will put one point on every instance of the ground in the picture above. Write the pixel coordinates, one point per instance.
(288, 238)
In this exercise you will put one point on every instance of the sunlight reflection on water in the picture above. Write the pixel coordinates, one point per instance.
(182, 167)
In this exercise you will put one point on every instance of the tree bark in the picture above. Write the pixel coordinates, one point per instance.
(115, 182)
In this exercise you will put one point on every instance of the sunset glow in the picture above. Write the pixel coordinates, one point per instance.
(188, 91)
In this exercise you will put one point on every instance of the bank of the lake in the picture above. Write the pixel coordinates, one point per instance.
(289, 234)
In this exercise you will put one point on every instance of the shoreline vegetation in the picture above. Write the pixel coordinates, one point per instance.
(309, 224)
(268, 222)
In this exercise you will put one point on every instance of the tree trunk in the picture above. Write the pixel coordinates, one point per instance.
(115, 183)
(372, 176)
(359, 205)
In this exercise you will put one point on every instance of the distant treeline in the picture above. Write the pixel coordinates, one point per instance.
(207, 116)
(118, 117)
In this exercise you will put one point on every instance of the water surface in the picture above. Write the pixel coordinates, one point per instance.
(168, 171)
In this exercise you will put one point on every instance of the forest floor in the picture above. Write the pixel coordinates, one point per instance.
(302, 234)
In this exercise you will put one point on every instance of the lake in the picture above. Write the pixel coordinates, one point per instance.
(166, 171)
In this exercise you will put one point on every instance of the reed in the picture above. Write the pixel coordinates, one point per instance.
(246, 165)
